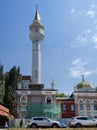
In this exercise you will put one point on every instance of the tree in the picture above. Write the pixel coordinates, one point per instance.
(61, 95)
(2, 84)
(12, 78)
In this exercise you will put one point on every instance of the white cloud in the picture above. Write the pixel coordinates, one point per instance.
(89, 35)
(81, 40)
(79, 67)
(83, 37)
(79, 61)
(76, 61)
(90, 13)
(86, 37)
(94, 38)
(73, 10)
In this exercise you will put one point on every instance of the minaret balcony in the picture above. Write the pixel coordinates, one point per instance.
(37, 35)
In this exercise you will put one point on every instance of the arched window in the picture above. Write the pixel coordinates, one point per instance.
(81, 106)
(23, 100)
(88, 107)
(64, 107)
(95, 104)
(48, 99)
(72, 107)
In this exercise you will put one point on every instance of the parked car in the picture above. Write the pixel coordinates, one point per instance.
(95, 118)
(37, 122)
(82, 121)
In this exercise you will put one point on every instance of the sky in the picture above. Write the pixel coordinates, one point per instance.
(69, 48)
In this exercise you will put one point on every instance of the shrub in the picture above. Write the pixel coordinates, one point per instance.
(21, 124)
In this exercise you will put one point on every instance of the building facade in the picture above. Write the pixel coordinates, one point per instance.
(67, 107)
(29, 98)
(82, 101)
(85, 98)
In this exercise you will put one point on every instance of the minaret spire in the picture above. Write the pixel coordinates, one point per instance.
(37, 17)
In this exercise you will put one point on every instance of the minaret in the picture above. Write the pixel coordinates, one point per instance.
(36, 36)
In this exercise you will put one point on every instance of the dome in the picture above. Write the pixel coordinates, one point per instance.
(84, 84)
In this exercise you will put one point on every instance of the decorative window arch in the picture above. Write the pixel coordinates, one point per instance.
(23, 100)
(48, 99)
(88, 106)
(95, 104)
(81, 104)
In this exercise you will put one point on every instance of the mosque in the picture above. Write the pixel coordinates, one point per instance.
(33, 99)
(85, 98)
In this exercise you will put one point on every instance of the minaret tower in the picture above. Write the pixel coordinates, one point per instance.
(36, 36)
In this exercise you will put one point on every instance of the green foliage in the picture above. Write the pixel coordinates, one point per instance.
(12, 78)
(2, 84)
(21, 124)
(61, 95)
(1, 72)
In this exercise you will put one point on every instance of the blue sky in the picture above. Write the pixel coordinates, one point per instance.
(69, 48)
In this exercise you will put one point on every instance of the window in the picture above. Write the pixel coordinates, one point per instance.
(23, 100)
(88, 105)
(95, 104)
(72, 107)
(23, 108)
(81, 106)
(64, 107)
(82, 118)
(40, 119)
(49, 100)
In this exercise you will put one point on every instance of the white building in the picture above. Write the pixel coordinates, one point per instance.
(32, 98)
(85, 96)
